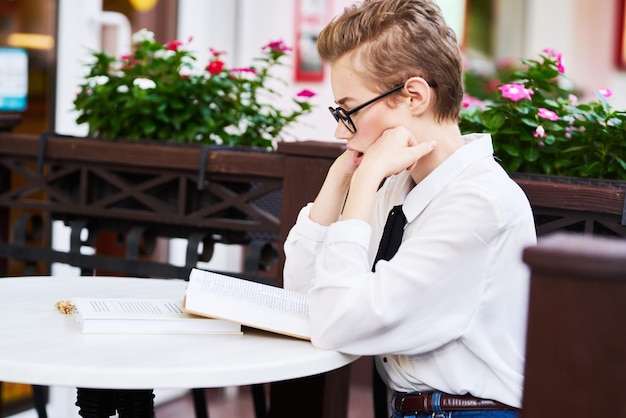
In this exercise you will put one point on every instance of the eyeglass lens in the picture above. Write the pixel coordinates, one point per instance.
(343, 115)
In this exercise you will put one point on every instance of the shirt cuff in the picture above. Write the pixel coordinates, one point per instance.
(308, 228)
(353, 231)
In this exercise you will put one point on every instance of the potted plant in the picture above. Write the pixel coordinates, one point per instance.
(539, 125)
(155, 93)
(568, 155)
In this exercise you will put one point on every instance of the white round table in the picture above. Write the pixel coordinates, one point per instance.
(41, 346)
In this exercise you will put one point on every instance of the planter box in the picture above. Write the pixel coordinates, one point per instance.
(141, 190)
(590, 206)
(177, 188)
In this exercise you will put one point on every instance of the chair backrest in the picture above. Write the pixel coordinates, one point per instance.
(575, 357)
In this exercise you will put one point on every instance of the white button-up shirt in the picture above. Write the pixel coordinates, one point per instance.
(448, 311)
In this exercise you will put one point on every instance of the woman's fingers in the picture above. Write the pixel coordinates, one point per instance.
(418, 151)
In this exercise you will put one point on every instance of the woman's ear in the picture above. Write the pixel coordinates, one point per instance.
(420, 95)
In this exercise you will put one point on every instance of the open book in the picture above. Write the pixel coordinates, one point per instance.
(248, 303)
(127, 315)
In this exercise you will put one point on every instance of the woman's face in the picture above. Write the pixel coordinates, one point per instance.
(350, 91)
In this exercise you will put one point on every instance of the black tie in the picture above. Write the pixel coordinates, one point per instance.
(392, 235)
(389, 244)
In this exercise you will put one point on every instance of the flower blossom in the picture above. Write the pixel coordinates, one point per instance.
(605, 92)
(216, 54)
(515, 92)
(556, 55)
(540, 132)
(164, 54)
(97, 80)
(122, 89)
(144, 83)
(173, 45)
(305, 93)
(573, 99)
(185, 72)
(277, 46)
(547, 114)
(215, 67)
(469, 101)
(243, 70)
(143, 35)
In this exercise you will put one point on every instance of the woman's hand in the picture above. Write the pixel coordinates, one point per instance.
(394, 151)
(330, 199)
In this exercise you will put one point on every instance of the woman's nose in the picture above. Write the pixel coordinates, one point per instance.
(341, 132)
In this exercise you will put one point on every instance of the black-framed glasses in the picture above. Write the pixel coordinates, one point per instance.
(343, 115)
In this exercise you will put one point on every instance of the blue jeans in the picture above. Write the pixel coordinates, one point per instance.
(462, 414)
(457, 414)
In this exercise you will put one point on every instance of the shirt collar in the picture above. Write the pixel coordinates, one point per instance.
(477, 146)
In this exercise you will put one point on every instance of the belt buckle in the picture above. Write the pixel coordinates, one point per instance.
(401, 405)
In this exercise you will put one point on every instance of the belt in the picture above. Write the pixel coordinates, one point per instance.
(422, 403)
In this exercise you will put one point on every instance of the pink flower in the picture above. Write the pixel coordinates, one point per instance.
(573, 99)
(605, 92)
(547, 114)
(216, 53)
(469, 101)
(277, 46)
(556, 55)
(173, 45)
(515, 92)
(569, 130)
(305, 93)
(540, 132)
(243, 70)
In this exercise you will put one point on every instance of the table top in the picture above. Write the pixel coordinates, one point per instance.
(40, 345)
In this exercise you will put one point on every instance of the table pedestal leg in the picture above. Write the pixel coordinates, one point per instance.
(95, 403)
(135, 403)
(103, 403)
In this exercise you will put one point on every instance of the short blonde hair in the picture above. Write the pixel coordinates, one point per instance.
(396, 40)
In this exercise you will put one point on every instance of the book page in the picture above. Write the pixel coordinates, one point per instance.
(289, 302)
(130, 308)
(249, 303)
(144, 316)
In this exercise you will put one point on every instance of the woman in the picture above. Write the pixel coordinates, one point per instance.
(446, 315)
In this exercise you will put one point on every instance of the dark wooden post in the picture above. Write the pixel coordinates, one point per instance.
(7, 123)
(576, 347)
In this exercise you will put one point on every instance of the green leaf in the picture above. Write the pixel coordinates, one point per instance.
(510, 149)
(531, 154)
